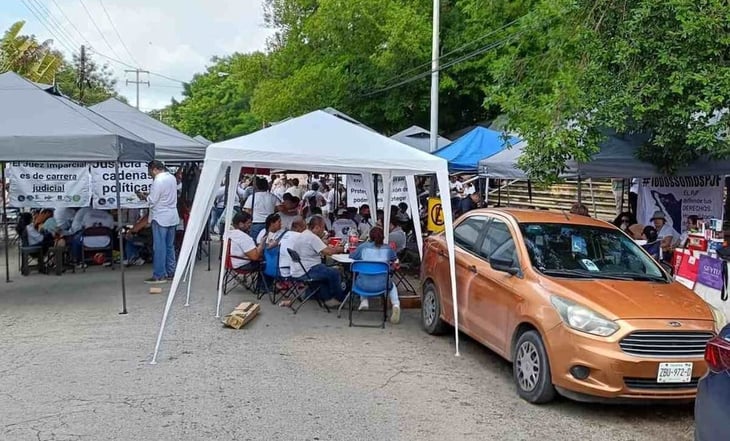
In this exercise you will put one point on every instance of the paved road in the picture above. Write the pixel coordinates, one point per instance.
(71, 368)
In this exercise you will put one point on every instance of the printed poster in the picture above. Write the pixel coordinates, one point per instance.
(133, 177)
(678, 197)
(357, 194)
(48, 184)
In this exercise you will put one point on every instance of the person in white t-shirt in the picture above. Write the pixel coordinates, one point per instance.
(311, 249)
(287, 242)
(343, 226)
(294, 189)
(260, 205)
(164, 219)
(244, 252)
(87, 218)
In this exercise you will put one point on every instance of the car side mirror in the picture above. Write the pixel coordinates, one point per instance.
(504, 265)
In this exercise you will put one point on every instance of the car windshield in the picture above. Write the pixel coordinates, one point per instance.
(583, 251)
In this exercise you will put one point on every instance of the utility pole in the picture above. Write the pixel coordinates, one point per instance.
(82, 73)
(137, 82)
(435, 54)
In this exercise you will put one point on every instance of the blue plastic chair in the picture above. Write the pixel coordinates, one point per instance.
(272, 272)
(370, 268)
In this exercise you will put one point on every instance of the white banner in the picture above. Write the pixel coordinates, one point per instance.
(357, 193)
(133, 177)
(49, 184)
(679, 197)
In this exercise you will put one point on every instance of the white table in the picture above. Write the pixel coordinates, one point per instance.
(342, 258)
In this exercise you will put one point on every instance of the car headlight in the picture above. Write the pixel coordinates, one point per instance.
(583, 319)
(719, 317)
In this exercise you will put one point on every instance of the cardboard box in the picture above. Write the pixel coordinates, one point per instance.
(155, 290)
(244, 313)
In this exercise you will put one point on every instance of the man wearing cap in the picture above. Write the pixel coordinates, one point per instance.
(666, 233)
(343, 225)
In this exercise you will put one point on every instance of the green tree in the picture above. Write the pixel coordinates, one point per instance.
(86, 81)
(660, 67)
(24, 55)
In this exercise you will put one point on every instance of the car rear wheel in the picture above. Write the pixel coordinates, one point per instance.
(431, 311)
(531, 369)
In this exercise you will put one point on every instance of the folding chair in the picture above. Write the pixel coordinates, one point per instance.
(107, 249)
(272, 271)
(399, 273)
(312, 285)
(31, 257)
(233, 277)
(373, 269)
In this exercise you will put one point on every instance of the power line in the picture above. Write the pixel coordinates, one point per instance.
(444, 66)
(97, 28)
(71, 23)
(168, 78)
(47, 25)
(458, 49)
(57, 24)
(118, 61)
(117, 32)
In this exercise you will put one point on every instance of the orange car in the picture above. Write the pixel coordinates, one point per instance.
(574, 303)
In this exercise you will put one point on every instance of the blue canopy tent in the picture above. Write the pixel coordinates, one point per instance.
(464, 154)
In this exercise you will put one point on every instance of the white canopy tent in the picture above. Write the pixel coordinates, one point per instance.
(316, 142)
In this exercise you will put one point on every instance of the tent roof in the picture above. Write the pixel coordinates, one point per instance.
(170, 144)
(202, 139)
(616, 159)
(322, 142)
(419, 138)
(465, 153)
(38, 126)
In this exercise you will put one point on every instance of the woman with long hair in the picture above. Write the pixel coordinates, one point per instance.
(376, 250)
(272, 232)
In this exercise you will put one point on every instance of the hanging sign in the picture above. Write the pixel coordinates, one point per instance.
(678, 197)
(133, 177)
(357, 194)
(48, 184)
(435, 215)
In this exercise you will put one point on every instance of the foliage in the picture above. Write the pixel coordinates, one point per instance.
(24, 55)
(658, 67)
(88, 83)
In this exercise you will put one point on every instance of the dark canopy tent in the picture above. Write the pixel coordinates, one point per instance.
(202, 139)
(38, 126)
(616, 159)
(464, 154)
(419, 138)
(170, 144)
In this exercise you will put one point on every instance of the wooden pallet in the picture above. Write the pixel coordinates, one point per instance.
(244, 313)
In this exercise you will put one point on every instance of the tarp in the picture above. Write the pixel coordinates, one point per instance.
(170, 144)
(203, 140)
(465, 153)
(315, 142)
(419, 138)
(38, 126)
(615, 159)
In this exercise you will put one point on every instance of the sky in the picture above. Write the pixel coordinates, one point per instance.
(173, 38)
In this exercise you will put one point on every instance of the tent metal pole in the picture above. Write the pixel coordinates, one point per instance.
(5, 227)
(121, 239)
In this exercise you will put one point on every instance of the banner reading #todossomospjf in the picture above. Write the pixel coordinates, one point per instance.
(133, 177)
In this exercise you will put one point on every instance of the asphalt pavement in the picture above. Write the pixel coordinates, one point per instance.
(72, 368)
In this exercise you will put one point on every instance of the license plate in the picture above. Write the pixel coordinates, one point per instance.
(674, 373)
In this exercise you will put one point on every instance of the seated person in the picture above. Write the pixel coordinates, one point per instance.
(288, 210)
(63, 217)
(286, 242)
(344, 224)
(272, 232)
(579, 209)
(377, 251)
(625, 220)
(397, 236)
(91, 218)
(244, 252)
(666, 233)
(317, 211)
(653, 244)
(693, 227)
(137, 238)
(311, 250)
(36, 235)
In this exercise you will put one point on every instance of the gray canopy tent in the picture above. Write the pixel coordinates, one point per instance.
(38, 126)
(170, 144)
(419, 138)
(615, 159)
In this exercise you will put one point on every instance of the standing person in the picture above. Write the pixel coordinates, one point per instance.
(219, 206)
(294, 189)
(634, 195)
(164, 219)
(260, 206)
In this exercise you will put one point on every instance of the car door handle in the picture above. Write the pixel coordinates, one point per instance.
(473, 269)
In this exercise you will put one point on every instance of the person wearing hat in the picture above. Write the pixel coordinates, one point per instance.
(665, 232)
(344, 224)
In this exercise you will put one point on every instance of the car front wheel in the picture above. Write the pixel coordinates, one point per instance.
(431, 311)
(531, 369)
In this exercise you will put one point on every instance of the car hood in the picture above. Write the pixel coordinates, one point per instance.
(617, 299)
